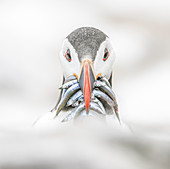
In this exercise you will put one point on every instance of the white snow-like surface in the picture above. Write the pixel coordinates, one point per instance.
(31, 34)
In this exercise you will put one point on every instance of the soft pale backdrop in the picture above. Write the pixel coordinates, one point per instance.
(31, 34)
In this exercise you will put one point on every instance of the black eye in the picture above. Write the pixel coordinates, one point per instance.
(106, 54)
(68, 55)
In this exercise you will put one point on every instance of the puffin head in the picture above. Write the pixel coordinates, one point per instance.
(87, 53)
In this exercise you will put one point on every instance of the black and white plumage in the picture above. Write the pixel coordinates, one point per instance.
(87, 59)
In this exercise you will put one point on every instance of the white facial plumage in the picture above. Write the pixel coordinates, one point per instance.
(100, 66)
(104, 67)
(72, 67)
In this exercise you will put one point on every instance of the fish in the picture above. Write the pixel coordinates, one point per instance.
(75, 97)
(70, 78)
(94, 106)
(104, 79)
(72, 95)
(100, 94)
(75, 104)
(61, 97)
(103, 87)
(76, 111)
(70, 91)
(107, 95)
(94, 99)
(63, 92)
(68, 84)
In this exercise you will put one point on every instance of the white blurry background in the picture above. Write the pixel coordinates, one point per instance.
(31, 35)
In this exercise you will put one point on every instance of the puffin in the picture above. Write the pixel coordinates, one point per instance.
(87, 58)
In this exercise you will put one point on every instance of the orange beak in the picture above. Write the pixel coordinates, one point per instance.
(86, 80)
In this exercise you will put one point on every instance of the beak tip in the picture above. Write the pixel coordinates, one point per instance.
(87, 110)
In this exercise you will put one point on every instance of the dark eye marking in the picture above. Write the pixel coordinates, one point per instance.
(106, 54)
(68, 55)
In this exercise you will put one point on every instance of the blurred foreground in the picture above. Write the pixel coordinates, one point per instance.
(96, 146)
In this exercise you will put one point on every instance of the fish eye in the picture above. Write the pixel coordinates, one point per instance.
(68, 55)
(106, 54)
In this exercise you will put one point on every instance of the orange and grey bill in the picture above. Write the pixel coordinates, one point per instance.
(87, 87)
(86, 80)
